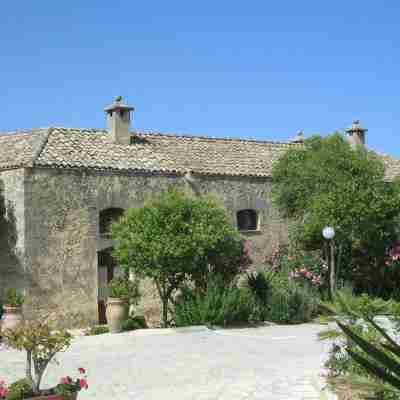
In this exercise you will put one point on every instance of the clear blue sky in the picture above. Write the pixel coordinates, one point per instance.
(252, 69)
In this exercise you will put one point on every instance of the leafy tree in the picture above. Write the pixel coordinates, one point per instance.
(175, 237)
(328, 183)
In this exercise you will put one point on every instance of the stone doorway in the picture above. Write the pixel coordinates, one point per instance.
(106, 271)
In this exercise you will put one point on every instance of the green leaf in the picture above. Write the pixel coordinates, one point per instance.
(372, 350)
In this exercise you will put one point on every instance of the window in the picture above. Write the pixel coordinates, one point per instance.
(247, 220)
(107, 217)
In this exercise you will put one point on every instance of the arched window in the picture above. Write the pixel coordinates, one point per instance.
(247, 220)
(107, 217)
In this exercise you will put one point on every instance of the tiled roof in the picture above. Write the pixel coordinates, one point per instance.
(89, 148)
(21, 148)
(152, 152)
(392, 167)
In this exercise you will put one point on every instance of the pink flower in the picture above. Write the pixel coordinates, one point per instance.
(3, 392)
(82, 370)
(83, 383)
(308, 275)
(2, 382)
(66, 380)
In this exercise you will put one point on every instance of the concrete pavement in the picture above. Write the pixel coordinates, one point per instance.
(273, 363)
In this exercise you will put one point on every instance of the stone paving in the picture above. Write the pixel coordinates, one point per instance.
(273, 363)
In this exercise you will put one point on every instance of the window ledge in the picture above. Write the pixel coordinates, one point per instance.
(252, 232)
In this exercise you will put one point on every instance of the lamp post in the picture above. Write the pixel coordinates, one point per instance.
(329, 233)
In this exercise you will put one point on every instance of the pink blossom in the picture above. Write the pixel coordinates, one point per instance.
(66, 380)
(83, 383)
(3, 392)
(82, 370)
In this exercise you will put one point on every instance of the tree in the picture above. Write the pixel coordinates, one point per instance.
(176, 237)
(328, 183)
(41, 343)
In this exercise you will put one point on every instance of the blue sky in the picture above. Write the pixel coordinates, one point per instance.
(255, 69)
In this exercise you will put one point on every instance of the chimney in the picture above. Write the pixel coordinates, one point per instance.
(356, 134)
(118, 121)
(299, 138)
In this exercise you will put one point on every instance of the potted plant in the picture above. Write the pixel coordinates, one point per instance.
(116, 304)
(41, 343)
(12, 309)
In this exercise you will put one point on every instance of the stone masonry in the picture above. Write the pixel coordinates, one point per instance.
(55, 182)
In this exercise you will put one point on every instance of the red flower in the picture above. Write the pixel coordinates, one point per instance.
(66, 380)
(82, 370)
(3, 392)
(83, 383)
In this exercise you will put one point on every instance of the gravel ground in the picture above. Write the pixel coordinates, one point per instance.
(273, 363)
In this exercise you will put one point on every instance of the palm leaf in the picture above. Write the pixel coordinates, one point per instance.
(375, 370)
(382, 332)
(394, 349)
(372, 350)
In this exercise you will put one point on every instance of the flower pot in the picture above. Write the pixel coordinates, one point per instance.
(115, 314)
(12, 317)
(54, 397)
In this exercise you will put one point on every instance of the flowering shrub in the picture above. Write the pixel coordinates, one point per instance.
(68, 386)
(3, 390)
(309, 267)
(302, 274)
(41, 343)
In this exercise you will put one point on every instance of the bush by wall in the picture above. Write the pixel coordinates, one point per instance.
(218, 305)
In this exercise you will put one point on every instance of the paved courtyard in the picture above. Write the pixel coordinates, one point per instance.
(269, 363)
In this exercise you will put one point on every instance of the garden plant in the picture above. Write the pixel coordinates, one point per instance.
(41, 342)
(176, 238)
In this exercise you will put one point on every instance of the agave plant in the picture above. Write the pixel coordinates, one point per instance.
(380, 359)
(384, 367)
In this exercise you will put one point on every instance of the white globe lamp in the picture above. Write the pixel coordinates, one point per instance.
(328, 233)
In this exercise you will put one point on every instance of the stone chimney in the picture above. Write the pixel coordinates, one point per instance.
(118, 121)
(299, 138)
(356, 134)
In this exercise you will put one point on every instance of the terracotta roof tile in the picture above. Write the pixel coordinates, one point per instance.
(77, 148)
(152, 152)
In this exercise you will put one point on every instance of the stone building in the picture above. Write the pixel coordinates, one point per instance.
(61, 187)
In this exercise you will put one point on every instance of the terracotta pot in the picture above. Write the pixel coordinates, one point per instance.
(53, 397)
(115, 314)
(12, 317)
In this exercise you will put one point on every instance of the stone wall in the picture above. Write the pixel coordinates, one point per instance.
(12, 229)
(62, 220)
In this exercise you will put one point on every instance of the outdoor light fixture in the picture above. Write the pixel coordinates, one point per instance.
(328, 233)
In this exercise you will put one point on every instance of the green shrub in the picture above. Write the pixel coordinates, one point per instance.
(124, 289)
(218, 305)
(19, 390)
(291, 302)
(260, 285)
(13, 298)
(97, 330)
(132, 323)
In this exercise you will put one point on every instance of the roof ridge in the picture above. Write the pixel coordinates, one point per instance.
(227, 139)
(42, 145)
(155, 133)
(24, 132)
